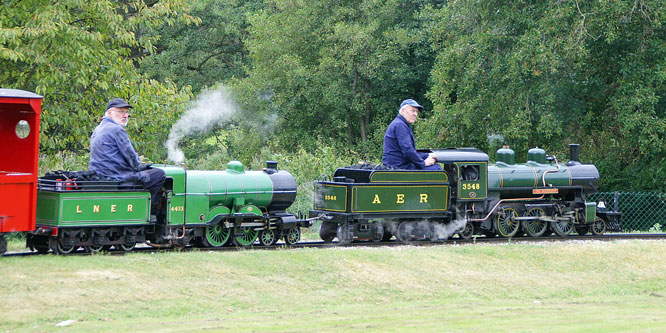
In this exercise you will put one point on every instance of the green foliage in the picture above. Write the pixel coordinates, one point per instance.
(331, 73)
(656, 228)
(79, 55)
(16, 237)
(204, 54)
(335, 71)
(63, 161)
(156, 107)
(547, 74)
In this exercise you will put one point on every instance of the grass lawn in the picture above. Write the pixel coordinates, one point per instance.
(575, 286)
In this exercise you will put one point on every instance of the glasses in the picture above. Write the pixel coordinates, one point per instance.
(122, 111)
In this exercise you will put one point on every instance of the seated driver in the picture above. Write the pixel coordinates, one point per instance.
(112, 154)
(399, 149)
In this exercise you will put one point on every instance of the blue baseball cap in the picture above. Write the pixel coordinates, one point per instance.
(410, 102)
(118, 103)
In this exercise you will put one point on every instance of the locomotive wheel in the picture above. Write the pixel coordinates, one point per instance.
(93, 248)
(344, 235)
(467, 232)
(268, 237)
(327, 231)
(216, 236)
(535, 228)
(582, 230)
(378, 227)
(62, 249)
(563, 228)
(404, 232)
(244, 236)
(292, 236)
(506, 223)
(599, 226)
(129, 242)
(126, 247)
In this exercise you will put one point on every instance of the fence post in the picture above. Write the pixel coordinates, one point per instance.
(616, 200)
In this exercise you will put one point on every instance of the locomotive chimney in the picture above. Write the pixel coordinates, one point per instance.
(271, 167)
(574, 154)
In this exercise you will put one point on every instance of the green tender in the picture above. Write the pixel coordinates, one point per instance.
(330, 197)
(399, 198)
(384, 198)
(74, 208)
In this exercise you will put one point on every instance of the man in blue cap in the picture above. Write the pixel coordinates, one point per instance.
(112, 154)
(399, 149)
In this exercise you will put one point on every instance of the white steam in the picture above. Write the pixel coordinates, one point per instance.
(422, 230)
(445, 231)
(209, 110)
(495, 140)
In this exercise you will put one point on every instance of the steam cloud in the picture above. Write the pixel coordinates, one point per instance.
(439, 231)
(210, 109)
(445, 231)
(495, 139)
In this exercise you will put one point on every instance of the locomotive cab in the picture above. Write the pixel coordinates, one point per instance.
(468, 170)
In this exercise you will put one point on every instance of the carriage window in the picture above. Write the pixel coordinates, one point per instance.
(22, 129)
(469, 172)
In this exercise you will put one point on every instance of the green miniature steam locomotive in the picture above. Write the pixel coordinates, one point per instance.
(469, 196)
(201, 208)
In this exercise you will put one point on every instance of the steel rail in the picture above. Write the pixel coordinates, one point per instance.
(392, 243)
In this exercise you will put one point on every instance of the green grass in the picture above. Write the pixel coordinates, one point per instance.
(582, 286)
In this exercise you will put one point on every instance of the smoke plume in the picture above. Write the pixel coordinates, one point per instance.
(211, 108)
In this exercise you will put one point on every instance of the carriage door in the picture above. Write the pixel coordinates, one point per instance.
(472, 180)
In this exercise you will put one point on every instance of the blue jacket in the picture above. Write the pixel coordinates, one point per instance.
(112, 154)
(399, 150)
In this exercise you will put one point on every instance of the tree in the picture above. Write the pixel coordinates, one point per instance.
(337, 70)
(204, 54)
(547, 74)
(80, 54)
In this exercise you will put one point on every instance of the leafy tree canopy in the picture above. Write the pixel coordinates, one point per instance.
(337, 70)
(550, 73)
(80, 54)
(208, 53)
(309, 73)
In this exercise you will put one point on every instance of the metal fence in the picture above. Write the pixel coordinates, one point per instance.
(641, 211)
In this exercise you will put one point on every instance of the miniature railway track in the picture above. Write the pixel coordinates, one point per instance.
(320, 244)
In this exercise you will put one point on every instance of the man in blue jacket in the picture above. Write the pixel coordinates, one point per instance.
(112, 154)
(399, 149)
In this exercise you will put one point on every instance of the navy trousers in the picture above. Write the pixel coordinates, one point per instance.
(435, 166)
(155, 179)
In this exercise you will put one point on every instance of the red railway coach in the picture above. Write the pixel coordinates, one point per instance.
(19, 150)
